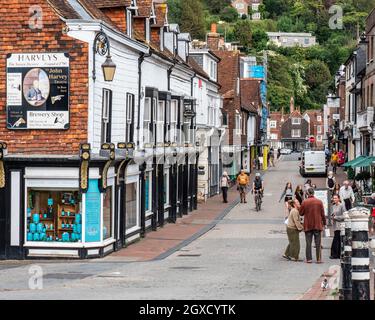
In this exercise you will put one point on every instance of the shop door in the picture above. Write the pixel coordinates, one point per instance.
(2, 224)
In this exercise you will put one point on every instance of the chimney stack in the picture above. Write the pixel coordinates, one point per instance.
(213, 38)
(291, 105)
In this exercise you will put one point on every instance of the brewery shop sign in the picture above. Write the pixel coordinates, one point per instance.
(38, 91)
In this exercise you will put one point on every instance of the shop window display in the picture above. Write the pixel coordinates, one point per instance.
(54, 215)
(131, 205)
(107, 214)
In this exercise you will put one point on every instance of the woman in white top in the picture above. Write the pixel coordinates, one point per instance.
(288, 193)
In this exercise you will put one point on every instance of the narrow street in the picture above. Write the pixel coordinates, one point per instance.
(240, 258)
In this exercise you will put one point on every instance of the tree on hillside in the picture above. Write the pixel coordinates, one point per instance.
(316, 73)
(229, 14)
(259, 40)
(174, 11)
(276, 8)
(216, 6)
(242, 32)
(192, 18)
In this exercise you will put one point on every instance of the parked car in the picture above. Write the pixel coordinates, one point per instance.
(286, 151)
(313, 163)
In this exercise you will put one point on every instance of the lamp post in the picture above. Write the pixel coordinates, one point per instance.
(101, 46)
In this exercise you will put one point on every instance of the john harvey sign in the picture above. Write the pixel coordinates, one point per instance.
(38, 91)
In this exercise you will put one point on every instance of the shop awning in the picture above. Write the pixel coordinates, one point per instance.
(353, 162)
(367, 162)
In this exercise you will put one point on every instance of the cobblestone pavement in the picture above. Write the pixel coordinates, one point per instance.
(239, 258)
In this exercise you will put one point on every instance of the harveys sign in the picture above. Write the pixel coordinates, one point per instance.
(38, 91)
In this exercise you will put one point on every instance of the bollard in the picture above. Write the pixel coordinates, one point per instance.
(347, 260)
(360, 253)
(342, 241)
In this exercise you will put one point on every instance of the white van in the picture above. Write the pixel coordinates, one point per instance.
(313, 163)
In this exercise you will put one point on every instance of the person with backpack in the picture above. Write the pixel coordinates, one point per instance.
(225, 180)
(243, 182)
(330, 182)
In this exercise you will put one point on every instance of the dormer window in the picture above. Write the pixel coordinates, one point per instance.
(296, 121)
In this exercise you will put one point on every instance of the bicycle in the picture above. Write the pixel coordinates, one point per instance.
(258, 200)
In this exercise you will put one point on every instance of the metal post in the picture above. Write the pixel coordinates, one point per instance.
(347, 261)
(360, 253)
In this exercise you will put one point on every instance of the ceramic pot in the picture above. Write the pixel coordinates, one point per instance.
(32, 227)
(36, 218)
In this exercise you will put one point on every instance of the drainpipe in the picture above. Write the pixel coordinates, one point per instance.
(169, 72)
(141, 58)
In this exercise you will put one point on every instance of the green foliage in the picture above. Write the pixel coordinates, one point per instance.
(317, 73)
(174, 11)
(192, 18)
(361, 176)
(242, 32)
(229, 14)
(216, 6)
(351, 173)
(259, 40)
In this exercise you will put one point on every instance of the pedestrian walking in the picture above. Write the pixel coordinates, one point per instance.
(298, 194)
(336, 189)
(307, 186)
(293, 229)
(278, 153)
(330, 182)
(337, 215)
(312, 210)
(243, 182)
(356, 192)
(341, 157)
(287, 195)
(260, 162)
(272, 157)
(225, 181)
(334, 161)
(347, 195)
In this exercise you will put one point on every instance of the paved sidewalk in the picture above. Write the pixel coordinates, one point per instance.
(173, 236)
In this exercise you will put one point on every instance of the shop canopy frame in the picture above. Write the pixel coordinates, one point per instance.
(367, 162)
(354, 162)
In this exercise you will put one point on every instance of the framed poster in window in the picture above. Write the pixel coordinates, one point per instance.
(323, 195)
(37, 91)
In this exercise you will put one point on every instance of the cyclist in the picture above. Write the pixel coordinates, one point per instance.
(258, 186)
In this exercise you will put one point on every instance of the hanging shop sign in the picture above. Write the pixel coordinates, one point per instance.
(38, 91)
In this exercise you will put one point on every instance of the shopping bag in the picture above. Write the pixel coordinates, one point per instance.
(327, 232)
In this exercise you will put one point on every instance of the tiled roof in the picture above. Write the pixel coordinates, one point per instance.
(250, 94)
(197, 68)
(111, 3)
(66, 11)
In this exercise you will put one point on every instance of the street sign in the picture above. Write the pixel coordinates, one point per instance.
(336, 116)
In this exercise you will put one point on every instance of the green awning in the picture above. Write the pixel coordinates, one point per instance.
(354, 162)
(367, 162)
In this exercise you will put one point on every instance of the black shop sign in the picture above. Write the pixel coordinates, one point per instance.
(38, 91)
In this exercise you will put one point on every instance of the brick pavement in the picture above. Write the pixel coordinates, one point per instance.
(173, 236)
